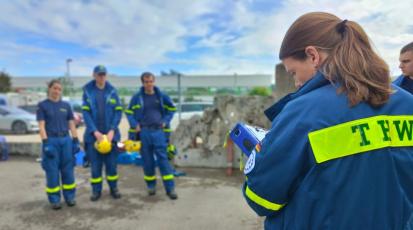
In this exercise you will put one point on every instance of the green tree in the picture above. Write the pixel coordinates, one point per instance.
(260, 91)
(5, 82)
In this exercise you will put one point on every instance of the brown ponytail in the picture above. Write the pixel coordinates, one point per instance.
(351, 61)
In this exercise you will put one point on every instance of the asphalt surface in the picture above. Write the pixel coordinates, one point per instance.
(207, 200)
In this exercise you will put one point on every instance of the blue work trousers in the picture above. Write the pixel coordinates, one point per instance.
(97, 160)
(59, 165)
(154, 144)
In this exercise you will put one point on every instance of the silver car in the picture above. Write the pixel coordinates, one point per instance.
(17, 120)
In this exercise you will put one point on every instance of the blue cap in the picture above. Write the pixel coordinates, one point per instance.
(99, 69)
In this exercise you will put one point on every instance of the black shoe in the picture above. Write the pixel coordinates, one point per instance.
(115, 193)
(151, 191)
(95, 197)
(172, 195)
(71, 203)
(56, 206)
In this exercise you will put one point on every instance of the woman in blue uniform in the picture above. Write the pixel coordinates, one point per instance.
(55, 119)
(339, 154)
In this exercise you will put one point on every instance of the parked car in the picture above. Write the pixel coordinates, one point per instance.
(189, 109)
(17, 120)
(78, 116)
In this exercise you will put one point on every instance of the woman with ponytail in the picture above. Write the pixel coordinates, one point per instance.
(339, 154)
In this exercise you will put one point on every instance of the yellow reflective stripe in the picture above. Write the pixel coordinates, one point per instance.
(53, 190)
(360, 136)
(128, 111)
(112, 178)
(112, 101)
(167, 130)
(132, 131)
(170, 148)
(149, 178)
(168, 177)
(87, 108)
(261, 201)
(69, 186)
(169, 108)
(118, 108)
(136, 107)
(96, 180)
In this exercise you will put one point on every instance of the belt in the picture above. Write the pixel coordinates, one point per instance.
(58, 134)
(153, 127)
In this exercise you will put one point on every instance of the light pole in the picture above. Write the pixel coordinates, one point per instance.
(179, 75)
(68, 67)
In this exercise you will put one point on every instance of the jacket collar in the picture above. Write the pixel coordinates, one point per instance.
(92, 85)
(314, 83)
(157, 91)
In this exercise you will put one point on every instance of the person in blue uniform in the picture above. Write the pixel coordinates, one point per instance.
(55, 119)
(102, 112)
(339, 153)
(405, 81)
(149, 112)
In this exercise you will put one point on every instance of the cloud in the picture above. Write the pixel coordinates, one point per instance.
(234, 36)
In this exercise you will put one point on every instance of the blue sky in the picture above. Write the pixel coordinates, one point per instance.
(193, 37)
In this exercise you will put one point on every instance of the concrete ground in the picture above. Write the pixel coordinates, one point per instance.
(207, 200)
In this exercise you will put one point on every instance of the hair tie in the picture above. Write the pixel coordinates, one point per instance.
(341, 26)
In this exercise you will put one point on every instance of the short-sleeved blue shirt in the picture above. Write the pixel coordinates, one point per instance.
(152, 116)
(56, 116)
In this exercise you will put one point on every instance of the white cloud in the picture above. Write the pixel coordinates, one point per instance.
(142, 33)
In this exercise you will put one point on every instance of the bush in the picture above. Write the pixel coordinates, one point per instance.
(260, 91)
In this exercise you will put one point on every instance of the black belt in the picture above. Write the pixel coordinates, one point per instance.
(153, 127)
(58, 134)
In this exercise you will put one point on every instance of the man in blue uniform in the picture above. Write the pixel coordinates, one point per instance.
(55, 119)
(405, 81)
(149, 112)
(102, 113)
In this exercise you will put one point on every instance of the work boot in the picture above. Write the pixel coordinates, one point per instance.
(95, 197)
(71, 203)
(115, 193)
(56, 206)
(151, 191)
(172, 195)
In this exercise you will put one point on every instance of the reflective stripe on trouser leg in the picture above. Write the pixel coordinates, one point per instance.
(110, 161)
(50, 164)
(160, 146)
(67, 169)
(96, 162)
(148, 158)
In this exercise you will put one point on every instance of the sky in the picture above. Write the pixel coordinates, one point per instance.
(192, 37)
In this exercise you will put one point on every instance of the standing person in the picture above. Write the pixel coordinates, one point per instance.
(4, 149)
(149, 112)
(58, 148)
(405, 81)
(102, 112)
(339, 154)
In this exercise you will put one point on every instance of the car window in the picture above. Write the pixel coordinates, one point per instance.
(2, 101)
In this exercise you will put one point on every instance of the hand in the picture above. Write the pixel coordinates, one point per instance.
(75, 145)
(98, 135)
(110, 135)
(138, 128)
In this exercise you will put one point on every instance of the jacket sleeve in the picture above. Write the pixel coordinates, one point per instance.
(169, 109)
(87, 114)
(274, 173)
(118, 112)
(130, 112)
